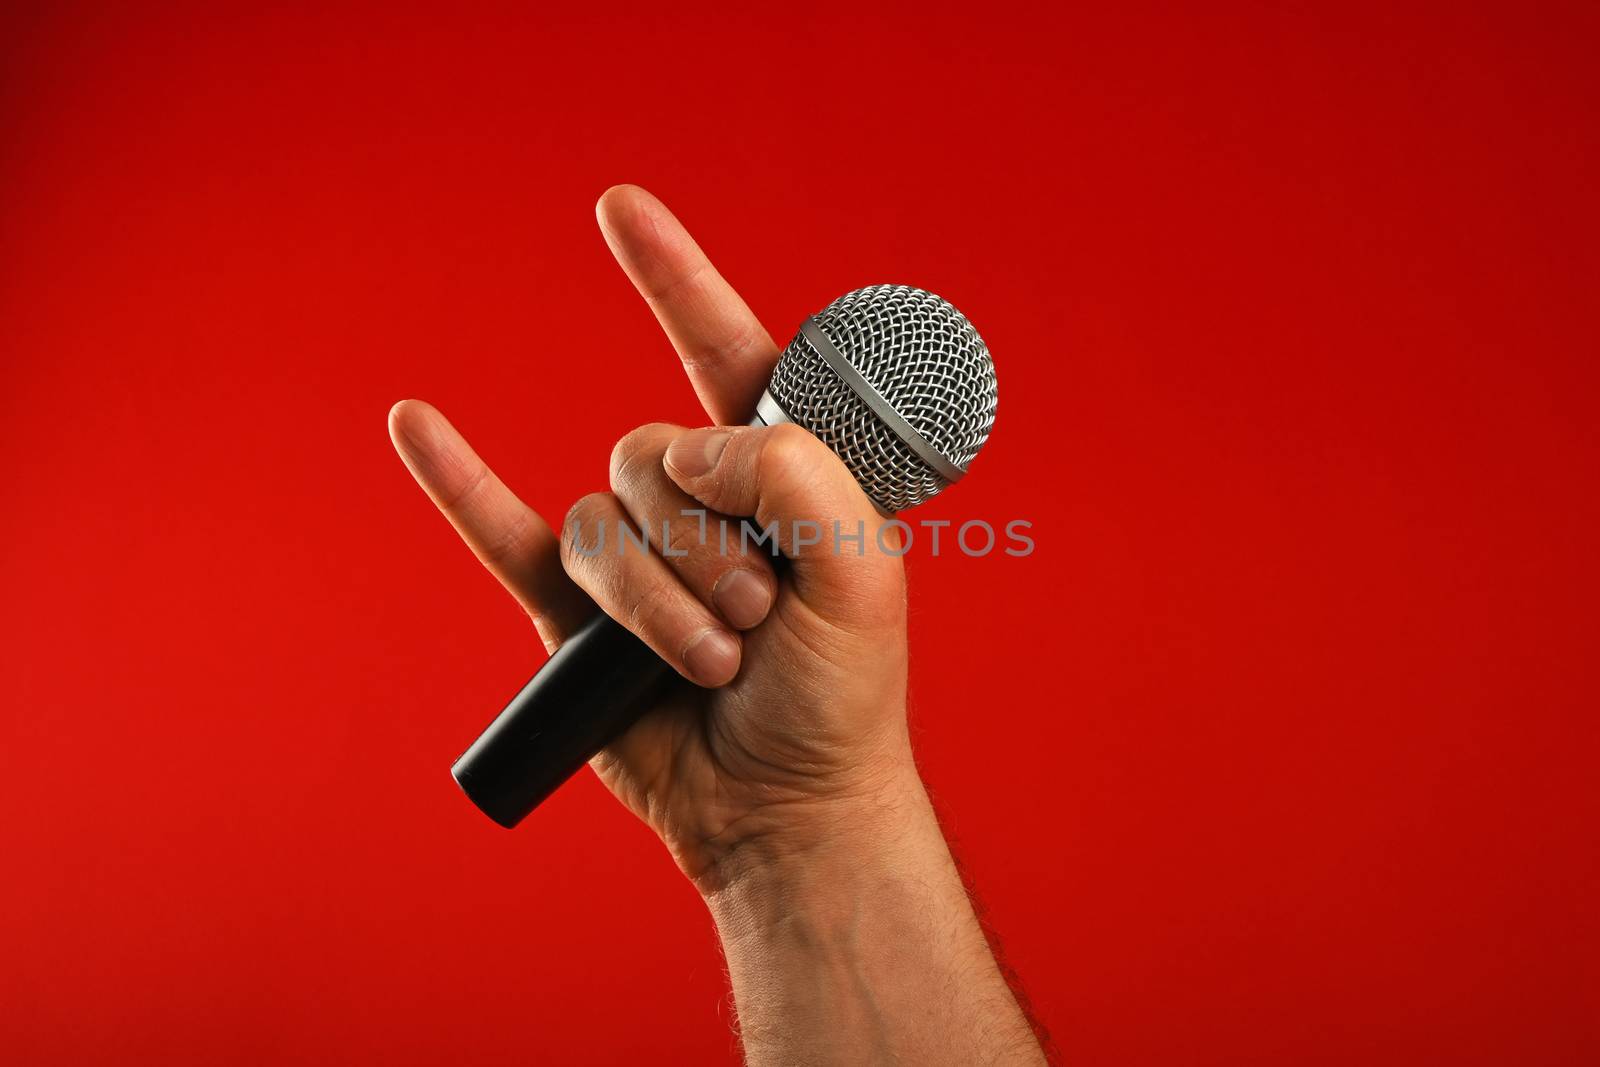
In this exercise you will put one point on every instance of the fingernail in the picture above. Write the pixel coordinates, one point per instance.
(742, 597)
(547, 633)
(712, 657)
(696, 452)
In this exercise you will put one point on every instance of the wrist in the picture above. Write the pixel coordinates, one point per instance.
(782, 829)
(825, 849)
(843, 946)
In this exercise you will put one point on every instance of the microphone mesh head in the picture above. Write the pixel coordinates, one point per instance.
(923, 357)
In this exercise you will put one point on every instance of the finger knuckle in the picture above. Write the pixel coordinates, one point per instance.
(694, 531)
(787, 453)
(512, 543)
(454, 498)
(638, 448)
(715, 352)
(583, 528)
(643, 607)
(683, 540)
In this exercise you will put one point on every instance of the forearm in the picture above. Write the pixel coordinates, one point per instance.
(862, 947)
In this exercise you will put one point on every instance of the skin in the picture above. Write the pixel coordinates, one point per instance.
(782, 780)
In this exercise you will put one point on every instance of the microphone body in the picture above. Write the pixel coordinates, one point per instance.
(897, 382)
(581, 700)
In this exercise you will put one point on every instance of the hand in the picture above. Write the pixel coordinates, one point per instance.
(801, 721)
(782, 778)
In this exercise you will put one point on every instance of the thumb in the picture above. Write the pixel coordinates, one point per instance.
(846, 559)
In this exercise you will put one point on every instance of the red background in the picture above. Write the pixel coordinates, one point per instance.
(1280, 749)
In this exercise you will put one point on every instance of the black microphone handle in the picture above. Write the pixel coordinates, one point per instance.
(598, 682)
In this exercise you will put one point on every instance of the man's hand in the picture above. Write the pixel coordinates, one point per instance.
(782, 780)
(813, 721)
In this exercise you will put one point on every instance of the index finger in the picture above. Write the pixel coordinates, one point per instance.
(726, 351)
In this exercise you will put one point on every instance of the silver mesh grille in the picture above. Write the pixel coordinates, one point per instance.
(923, 357)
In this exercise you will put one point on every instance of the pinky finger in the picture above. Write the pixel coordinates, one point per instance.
(508, 537)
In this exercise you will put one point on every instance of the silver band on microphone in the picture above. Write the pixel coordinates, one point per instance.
(768, 413)
(880, 407)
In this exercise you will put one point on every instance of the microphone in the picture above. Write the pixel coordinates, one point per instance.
(897, 383)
